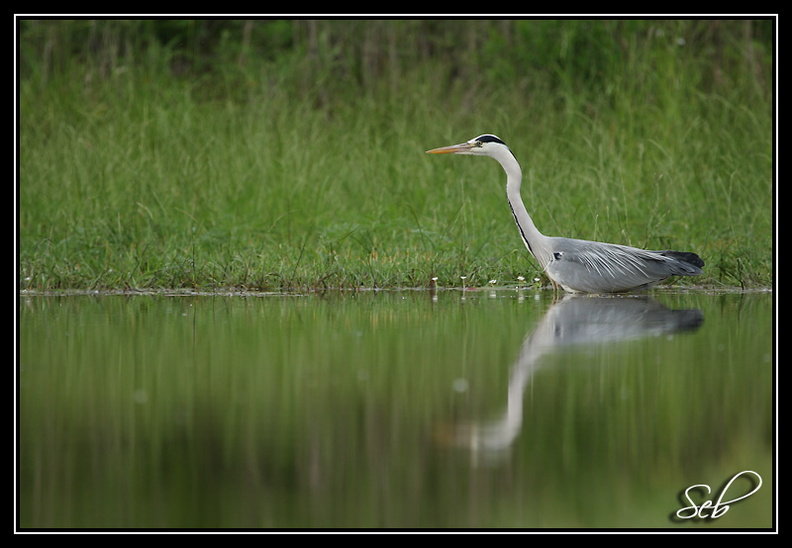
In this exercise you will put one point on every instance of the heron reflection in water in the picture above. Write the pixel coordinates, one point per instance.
(573, 321)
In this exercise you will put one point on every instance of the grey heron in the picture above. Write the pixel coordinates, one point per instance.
(579, 266)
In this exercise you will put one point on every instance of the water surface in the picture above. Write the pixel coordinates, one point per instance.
(410, 409)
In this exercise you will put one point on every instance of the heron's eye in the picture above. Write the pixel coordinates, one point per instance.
(477, 144)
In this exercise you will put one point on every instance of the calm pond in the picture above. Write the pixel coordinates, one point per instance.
(404, 409)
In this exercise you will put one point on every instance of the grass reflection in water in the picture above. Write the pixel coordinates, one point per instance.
(391, 409)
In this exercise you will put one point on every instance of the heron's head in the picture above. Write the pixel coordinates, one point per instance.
(483, 145)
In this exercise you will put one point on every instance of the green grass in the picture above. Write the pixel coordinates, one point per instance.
(256, 179)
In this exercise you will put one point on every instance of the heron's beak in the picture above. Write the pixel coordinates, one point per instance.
(453, 149)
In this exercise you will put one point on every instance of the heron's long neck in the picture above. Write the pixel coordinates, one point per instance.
(531, 236)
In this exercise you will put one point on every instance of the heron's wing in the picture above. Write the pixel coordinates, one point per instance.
(593, 266)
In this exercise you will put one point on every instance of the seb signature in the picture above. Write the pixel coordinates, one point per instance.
(713, 510)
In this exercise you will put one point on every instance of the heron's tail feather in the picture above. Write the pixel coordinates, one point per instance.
(689, 264)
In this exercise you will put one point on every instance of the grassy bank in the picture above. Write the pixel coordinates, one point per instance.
(302, 168)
